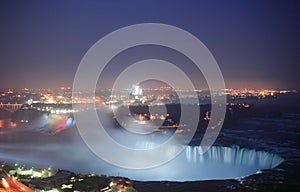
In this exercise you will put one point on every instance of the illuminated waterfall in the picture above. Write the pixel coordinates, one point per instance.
(42, 150)
(233, 155)
(216, 163)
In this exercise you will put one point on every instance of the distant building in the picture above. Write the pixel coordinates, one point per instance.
(137, 93)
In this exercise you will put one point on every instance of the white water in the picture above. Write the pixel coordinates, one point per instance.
(217, 163)
(67, 151)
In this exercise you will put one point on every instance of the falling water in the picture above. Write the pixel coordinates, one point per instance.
(59, 151)
(233, 155)
(67, 150)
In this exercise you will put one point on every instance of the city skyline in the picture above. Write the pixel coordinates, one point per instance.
(256, 44)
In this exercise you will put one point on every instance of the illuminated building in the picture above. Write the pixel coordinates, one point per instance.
(137, 92)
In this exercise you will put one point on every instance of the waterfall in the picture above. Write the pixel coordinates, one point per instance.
(190, 165)
(233, 155)
(217, 163)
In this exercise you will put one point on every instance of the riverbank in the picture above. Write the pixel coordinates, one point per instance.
(41, 179)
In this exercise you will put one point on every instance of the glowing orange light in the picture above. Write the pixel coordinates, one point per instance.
(13, 125)
(1, 123)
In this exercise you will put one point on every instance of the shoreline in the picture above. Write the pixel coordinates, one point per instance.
(39, 179)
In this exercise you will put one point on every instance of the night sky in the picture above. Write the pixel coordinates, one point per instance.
(256, 43)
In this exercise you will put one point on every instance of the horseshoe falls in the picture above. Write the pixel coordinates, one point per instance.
(59, 151)
(217, 163)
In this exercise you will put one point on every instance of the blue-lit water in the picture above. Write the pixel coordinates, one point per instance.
(34, 149)
(66, 150)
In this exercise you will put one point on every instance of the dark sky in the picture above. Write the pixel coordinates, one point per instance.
(256, 43)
